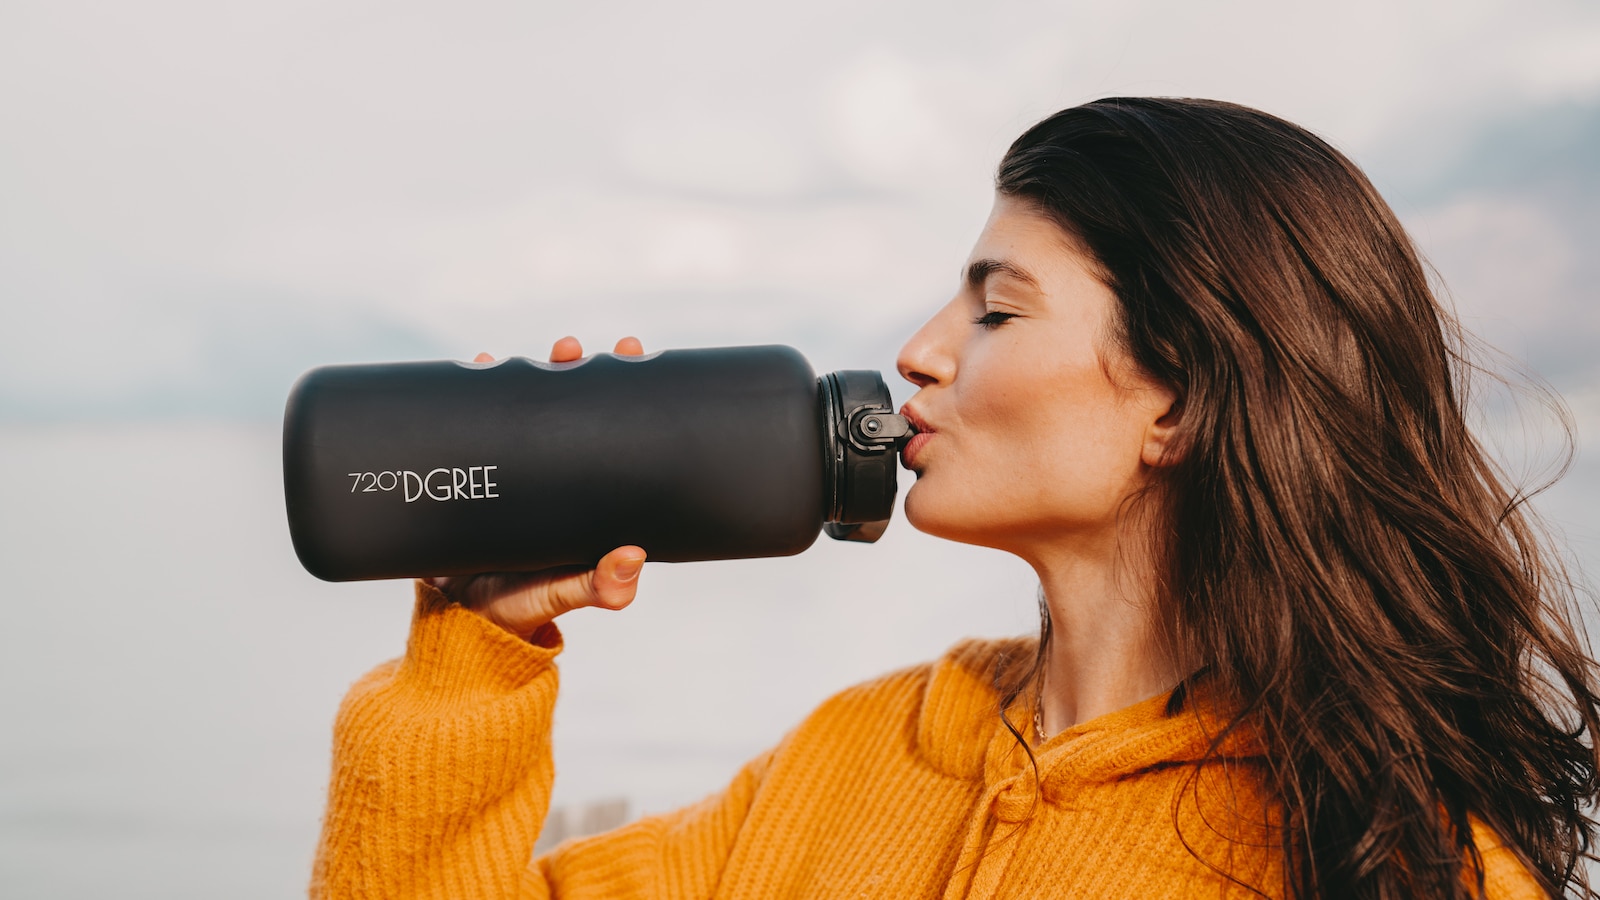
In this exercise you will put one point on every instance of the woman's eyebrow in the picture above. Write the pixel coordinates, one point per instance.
(980, 270)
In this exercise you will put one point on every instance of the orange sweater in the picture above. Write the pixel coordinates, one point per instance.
(905, 787)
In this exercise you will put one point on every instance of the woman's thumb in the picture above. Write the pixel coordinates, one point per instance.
(615, 578)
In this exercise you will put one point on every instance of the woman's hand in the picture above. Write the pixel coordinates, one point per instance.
(521, 602)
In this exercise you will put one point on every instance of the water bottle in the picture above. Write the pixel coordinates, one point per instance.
(452, 468)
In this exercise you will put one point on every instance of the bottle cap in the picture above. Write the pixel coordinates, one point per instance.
(863, 437)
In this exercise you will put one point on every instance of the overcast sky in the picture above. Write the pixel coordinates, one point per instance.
(198, 200)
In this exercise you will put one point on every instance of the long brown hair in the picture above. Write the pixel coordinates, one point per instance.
(1342, 555)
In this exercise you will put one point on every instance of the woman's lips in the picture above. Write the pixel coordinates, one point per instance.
(908, 453)
(913, 447)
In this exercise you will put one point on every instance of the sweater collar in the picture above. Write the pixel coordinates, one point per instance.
(960, 733)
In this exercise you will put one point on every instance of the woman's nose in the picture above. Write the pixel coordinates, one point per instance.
(927, 358)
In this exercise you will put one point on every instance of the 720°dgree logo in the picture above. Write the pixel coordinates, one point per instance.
(470, 483)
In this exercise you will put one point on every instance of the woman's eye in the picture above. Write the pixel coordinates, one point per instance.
(993, 319)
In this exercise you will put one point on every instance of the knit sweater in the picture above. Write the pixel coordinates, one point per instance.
(905, 787)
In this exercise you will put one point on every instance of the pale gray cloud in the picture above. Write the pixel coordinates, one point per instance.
(1510, 216)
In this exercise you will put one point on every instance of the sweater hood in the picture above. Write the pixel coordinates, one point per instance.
(960, 732)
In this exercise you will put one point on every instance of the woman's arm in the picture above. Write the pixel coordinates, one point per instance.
(442, 774)
(678, 855)
(441, 763)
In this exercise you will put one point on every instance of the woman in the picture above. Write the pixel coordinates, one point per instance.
(1299, 639)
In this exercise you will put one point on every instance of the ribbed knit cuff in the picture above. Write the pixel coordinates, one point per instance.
(453, 650)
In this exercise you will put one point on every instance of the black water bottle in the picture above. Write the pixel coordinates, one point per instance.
(453, 468)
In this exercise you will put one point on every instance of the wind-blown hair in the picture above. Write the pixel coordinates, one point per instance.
(1338, 550)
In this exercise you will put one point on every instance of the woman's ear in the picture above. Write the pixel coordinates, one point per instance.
(1161, 436)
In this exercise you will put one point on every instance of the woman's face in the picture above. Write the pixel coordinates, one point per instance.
(1035, 429)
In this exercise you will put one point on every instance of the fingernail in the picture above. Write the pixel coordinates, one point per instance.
(629, 569)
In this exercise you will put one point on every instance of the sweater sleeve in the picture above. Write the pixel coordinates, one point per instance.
(442, 774)
(677, 856)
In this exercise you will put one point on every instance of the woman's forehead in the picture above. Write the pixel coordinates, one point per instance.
(1021, 241)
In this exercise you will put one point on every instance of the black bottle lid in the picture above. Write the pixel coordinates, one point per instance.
(864, 435)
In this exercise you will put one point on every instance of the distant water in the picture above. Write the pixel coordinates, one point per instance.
(169, 674)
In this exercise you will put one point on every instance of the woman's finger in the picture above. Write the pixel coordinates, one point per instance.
(537, 601)
(566, 350)
(522, 603)
(611, 584)
(629, 346)
(615, 579)
(483, 357)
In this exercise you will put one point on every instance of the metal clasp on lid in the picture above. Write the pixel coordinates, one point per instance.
(874, 429)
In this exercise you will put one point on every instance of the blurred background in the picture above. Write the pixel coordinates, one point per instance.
(199, 200)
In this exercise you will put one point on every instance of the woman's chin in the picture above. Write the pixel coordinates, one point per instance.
(927, 515)
(918, 513)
